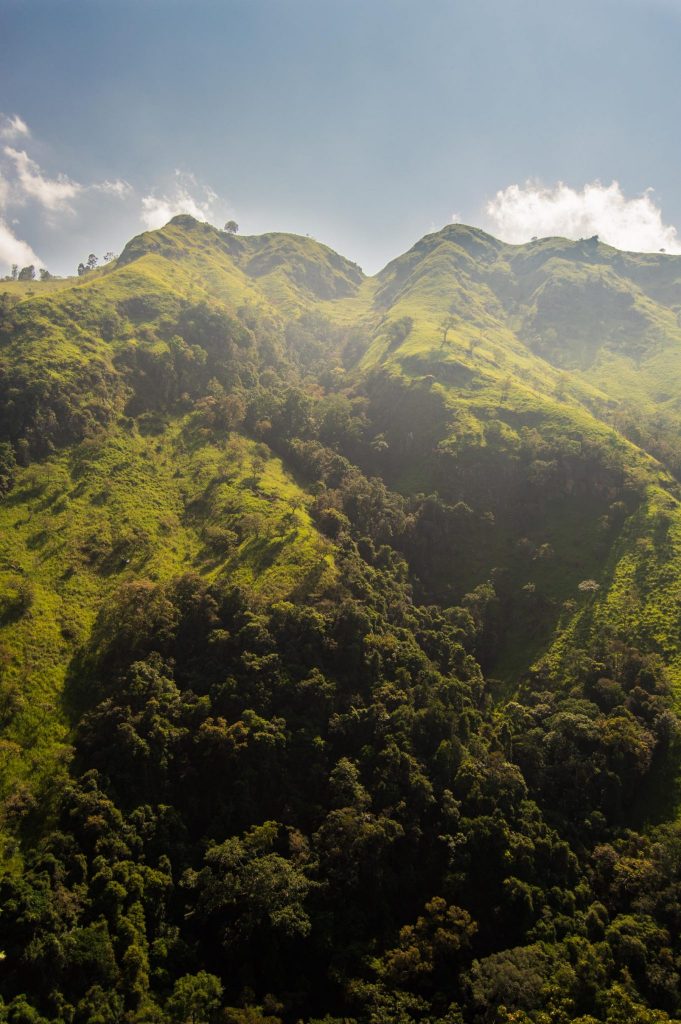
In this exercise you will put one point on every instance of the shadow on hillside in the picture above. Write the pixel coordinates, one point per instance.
(445, 370)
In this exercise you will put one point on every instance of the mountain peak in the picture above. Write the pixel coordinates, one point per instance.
(281, 259)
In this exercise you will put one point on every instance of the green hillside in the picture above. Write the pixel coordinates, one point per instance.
(340, 634)
(548, 362)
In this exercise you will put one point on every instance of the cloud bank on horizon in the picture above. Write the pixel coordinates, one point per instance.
(521, 212)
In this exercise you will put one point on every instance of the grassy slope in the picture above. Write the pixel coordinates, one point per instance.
(286, 272)
(640, 595)
(27, 289)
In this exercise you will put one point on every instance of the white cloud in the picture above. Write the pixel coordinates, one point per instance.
(12, 127)
(118, 189)
(517, 213)
(25, 181)
(31, 183)
(14, 250)
(157, 210)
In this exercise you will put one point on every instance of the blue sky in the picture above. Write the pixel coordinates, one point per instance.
(365, 123)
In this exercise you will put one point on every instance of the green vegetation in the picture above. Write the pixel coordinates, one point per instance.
(340, 652)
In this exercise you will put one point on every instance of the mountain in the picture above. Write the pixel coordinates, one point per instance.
(339, 634)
